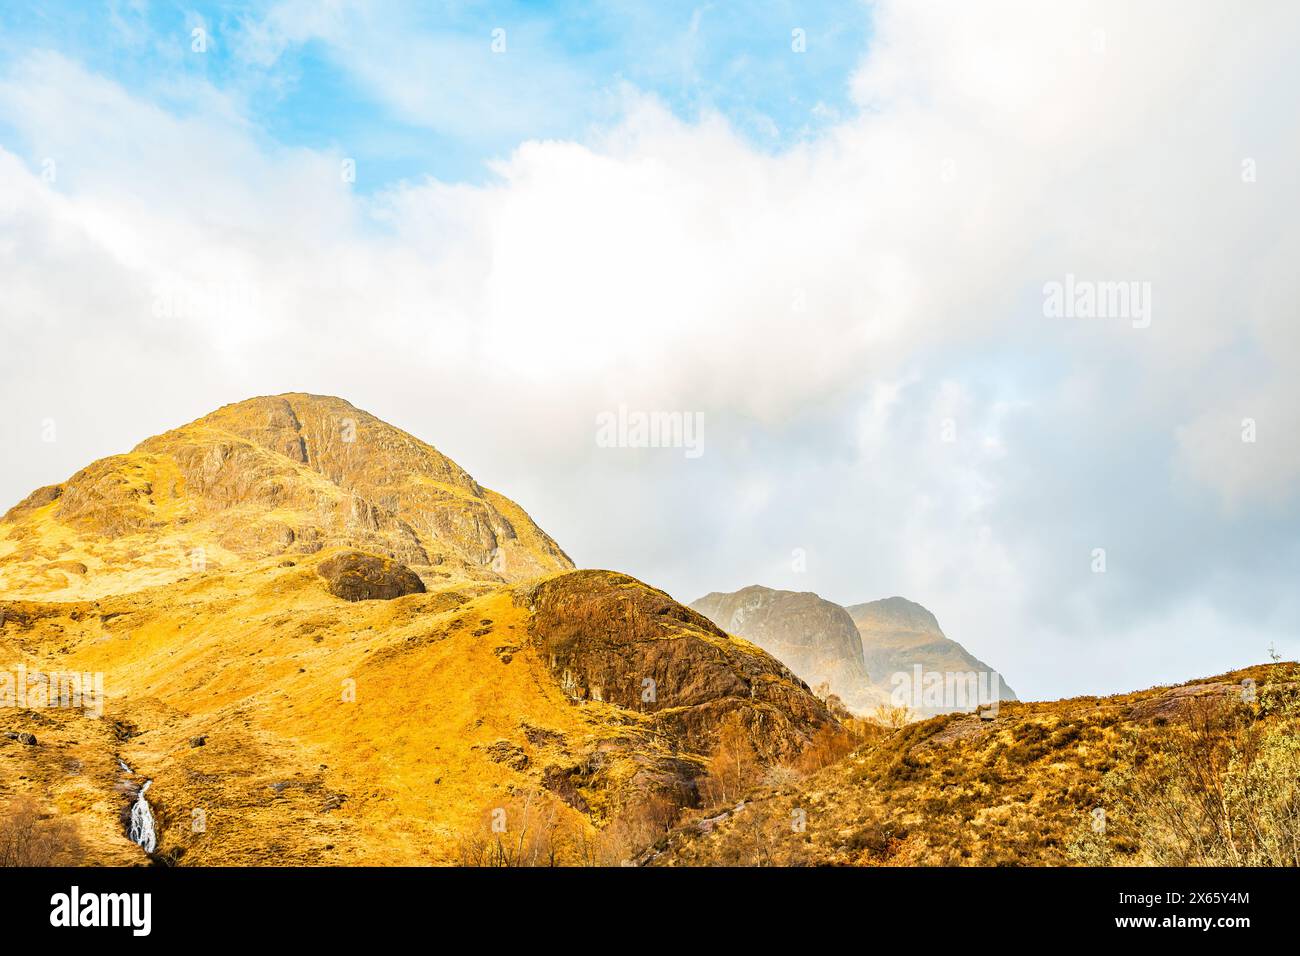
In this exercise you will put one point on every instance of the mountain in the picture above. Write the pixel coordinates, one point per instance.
(898, 635)
(290, 474)
(867, 653)
(813, 637)
(323, 642)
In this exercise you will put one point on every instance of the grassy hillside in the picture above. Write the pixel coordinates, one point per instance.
(372, 655)
(1202, 774)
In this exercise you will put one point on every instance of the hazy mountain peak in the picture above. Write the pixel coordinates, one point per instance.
(858, 651)
(898, 635)
(896, 612)
(815, 638)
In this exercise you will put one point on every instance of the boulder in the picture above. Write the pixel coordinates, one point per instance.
(357, 576)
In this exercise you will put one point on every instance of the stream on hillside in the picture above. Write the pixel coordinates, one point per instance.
(140, 826)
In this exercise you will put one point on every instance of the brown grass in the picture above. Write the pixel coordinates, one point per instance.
(1186, 776)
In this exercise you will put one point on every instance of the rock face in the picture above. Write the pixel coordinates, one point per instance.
(37, 499)
(812, 636)
(289, 474)
(355, 576)
(607, 637)
(899, 635)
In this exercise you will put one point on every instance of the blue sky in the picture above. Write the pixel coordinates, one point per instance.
(564, 62)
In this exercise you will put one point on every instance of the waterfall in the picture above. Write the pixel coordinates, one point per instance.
(141, 829)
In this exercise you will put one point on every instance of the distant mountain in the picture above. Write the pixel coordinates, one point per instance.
(815, 638)
(898, 635)
(868, 654)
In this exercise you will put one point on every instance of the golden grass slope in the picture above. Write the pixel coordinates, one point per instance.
(377, 731)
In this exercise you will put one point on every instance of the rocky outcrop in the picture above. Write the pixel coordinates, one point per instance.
(355, 576)
(812, 636)
(607, 637)
(400, 480)
(37, 499)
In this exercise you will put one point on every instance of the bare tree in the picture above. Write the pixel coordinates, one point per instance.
(734, 766)
(29, 839)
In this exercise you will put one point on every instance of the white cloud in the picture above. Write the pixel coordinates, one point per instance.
(825, 307)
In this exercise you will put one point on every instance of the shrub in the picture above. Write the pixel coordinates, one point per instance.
(29, 839)
(1216, 786)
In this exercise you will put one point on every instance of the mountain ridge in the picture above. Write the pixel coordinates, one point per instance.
(866, 654)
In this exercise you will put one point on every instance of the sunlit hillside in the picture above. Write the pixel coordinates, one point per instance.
(1202, 774)
(325, 643)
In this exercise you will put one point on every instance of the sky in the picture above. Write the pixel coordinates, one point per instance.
(839, 239)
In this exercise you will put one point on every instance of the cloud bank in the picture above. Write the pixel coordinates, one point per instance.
(858, 316)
